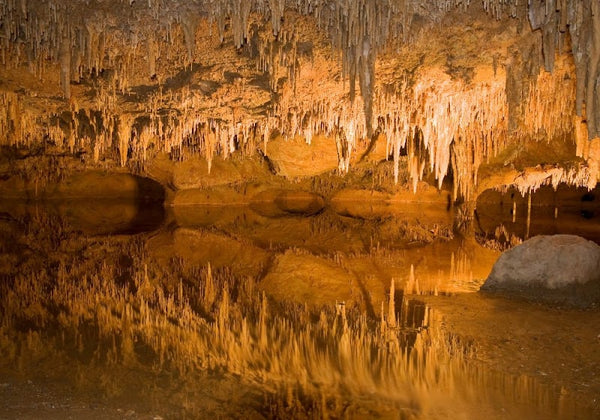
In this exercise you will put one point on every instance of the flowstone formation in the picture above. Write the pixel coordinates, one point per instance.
(441, 88)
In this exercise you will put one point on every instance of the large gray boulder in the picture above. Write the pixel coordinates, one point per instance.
(562, 269)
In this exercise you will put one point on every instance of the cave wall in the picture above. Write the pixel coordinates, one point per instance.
(472, 91)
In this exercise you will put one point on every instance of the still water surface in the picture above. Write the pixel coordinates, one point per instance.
(126, 310)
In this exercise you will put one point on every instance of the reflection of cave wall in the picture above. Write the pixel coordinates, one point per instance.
(505, 216)
(93, 203)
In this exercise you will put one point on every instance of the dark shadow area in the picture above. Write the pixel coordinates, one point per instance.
(149, 216)
(141, 211)
(86, 217)
(185, 77)
(149, 190)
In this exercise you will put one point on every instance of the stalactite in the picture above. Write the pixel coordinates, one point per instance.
(276, 7)
(152, 55)
(124, 133)
(240, 12)
(550, 104)
(579, 176)
(64, 55)
(469, 125)
(189, 25)
(437, 122)
(583, 20)
(588, 150)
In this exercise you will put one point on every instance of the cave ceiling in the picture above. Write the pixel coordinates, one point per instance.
(449, 86)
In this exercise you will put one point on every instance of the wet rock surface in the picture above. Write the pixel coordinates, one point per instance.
(563, 269)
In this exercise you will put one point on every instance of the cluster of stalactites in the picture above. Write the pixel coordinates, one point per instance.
(588, 150)
(82, 38)
(19, 127)
(581, 18)
(107, 132)
(549, 106)
(37, 30)
(102, 133)
(341, 120)
(443, 125)
(361, 29)
(578, 176)
(18, 124)
(461, 130)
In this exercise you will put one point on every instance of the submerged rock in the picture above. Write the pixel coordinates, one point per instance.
(556, 269)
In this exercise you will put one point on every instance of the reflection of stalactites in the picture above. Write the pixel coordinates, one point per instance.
(223, 312)
(209, 291)
(392, 305)
(262, 340)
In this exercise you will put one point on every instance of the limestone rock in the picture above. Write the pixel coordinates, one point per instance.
(296, 158)
(195, 173)
(556, 269)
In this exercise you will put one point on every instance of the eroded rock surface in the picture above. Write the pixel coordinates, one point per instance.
(555, 269)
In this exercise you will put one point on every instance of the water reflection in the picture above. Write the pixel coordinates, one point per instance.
(507, 218)
(232, 314)
(89, 217)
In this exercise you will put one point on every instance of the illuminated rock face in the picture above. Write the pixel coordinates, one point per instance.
(446, 86)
